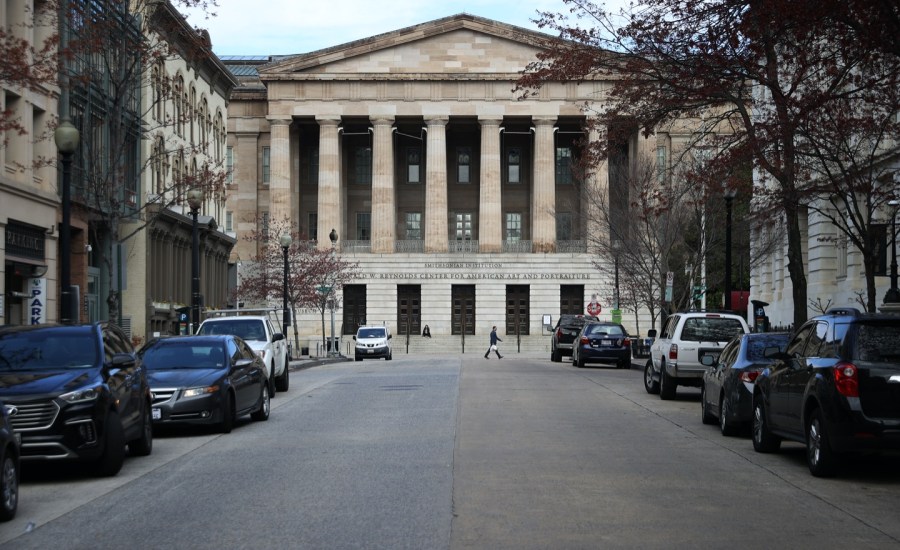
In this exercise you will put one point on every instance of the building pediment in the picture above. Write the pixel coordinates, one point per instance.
(461, 44)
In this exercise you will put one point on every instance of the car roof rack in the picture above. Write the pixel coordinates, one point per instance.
(847, 311)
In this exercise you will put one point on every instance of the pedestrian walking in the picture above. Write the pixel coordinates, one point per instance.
(494, 340)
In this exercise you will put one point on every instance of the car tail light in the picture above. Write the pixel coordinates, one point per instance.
(585, 340)
(846, 379)
(626, 342)
(673, 352)
(749, 376)
(558, 333)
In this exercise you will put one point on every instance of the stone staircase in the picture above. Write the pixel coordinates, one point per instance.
(444, 344)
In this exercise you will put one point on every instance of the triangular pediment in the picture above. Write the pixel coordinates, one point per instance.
(461, 44)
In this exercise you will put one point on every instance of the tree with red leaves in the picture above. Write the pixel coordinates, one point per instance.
(310, 269)
(768, 71)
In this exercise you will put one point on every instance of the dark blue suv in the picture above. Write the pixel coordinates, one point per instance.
(835, 388)
(80, 393)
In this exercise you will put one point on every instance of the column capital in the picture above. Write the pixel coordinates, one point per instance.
(381, 120)
(490, 120)
(279, 121)
(544, 120)
(437, 120)
(328, 120)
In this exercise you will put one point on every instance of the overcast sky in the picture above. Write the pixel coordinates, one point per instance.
(264, 27)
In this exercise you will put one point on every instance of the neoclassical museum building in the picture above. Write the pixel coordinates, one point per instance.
(459, 201)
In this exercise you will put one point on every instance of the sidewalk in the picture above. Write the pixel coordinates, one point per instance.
(637, 363)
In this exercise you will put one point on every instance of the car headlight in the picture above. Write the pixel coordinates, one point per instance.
(194, 392)
(83, 394)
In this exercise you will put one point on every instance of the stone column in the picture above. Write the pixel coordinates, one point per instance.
(436, 231)
(594, 229)
(280, 181)
(329, 207)
(543, 196)
(383, 203)
(490, 215)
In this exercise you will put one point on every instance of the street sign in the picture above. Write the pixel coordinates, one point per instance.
(322, 289)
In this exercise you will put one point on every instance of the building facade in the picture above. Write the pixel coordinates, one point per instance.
(29, 202)
(184, 97)
(460, 202)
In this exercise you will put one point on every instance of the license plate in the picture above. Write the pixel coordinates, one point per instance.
(371, 351)
(607, 342)
(157, 414)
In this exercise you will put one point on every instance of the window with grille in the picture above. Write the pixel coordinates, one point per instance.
(513, 161)
(229, 165)
(564, 165)
(564, 226)
(362, 165)
(513, 227)
(463, 227)
(266, 164)
(413, 164)
(463, 164)
(414, 226)
(363, 226)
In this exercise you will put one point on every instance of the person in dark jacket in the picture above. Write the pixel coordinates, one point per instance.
(493, 347)
(426, 332)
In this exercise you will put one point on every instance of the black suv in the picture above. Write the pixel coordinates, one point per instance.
(835, 388)
(567, 328)
(79, 391)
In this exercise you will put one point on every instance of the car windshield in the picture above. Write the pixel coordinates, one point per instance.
(756, 346)
(249, 329)
(183, 355)
(371, 333)
(878, 343)
(604, 330)
(710, 329)
(48, 350)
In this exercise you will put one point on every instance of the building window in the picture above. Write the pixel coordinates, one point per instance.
(661, 165)
(463, 227)
(266, 165)
(564, 166)
(313, 226)
(513, 161)
(513, 227)
(564, 226)
(463, 164)
(413, 165)
(363, 226)
(229, 165)
(414, 226)
(362, 165)
(229, 221)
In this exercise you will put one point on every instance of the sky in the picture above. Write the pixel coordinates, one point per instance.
(279, 27)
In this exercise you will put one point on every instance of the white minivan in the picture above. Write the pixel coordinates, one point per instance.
(373, 343)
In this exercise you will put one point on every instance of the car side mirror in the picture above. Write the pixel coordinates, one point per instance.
(243, 362)
(122, 360)
(277, 336)
(390, 336)
(354, 337)
(651, 333)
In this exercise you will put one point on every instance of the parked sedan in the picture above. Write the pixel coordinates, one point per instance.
(205, 380)
(726, 394)
(602, 342)
(9, 465)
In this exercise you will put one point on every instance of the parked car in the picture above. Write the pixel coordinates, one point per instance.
(9, 465)
(563, 337)
(259, 332)
(686, 338)
(726, 395)
(206, 380)
(835, 388)
(373, 343)
(80, 392)
(601, 342)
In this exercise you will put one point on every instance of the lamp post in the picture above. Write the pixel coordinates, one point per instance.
(892, 296)
(334, 238)
(285, 241)
(195, 199)
(729, 198)
(616, 248)
(66, 137)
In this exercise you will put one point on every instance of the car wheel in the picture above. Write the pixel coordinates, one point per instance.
(389, 357)
(705, 415)
(227, 422)
(764, 441)
(579, 362)
(110, 462)
(556, 356)
(651, 385)
(283, 382)
(624, 364)
(143, 445)
(727, 428)
(265, 406)
(666, 383)
(9, 487)
(820, 457)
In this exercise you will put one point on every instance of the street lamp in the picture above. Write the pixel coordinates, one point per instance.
(730, 194)
(195, 199)
(616, 248)
(285, 241)
(66, 137)
(334, 238)
(892, 296)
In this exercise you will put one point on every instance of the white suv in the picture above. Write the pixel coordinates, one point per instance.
(676, 356)
(372, 343)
